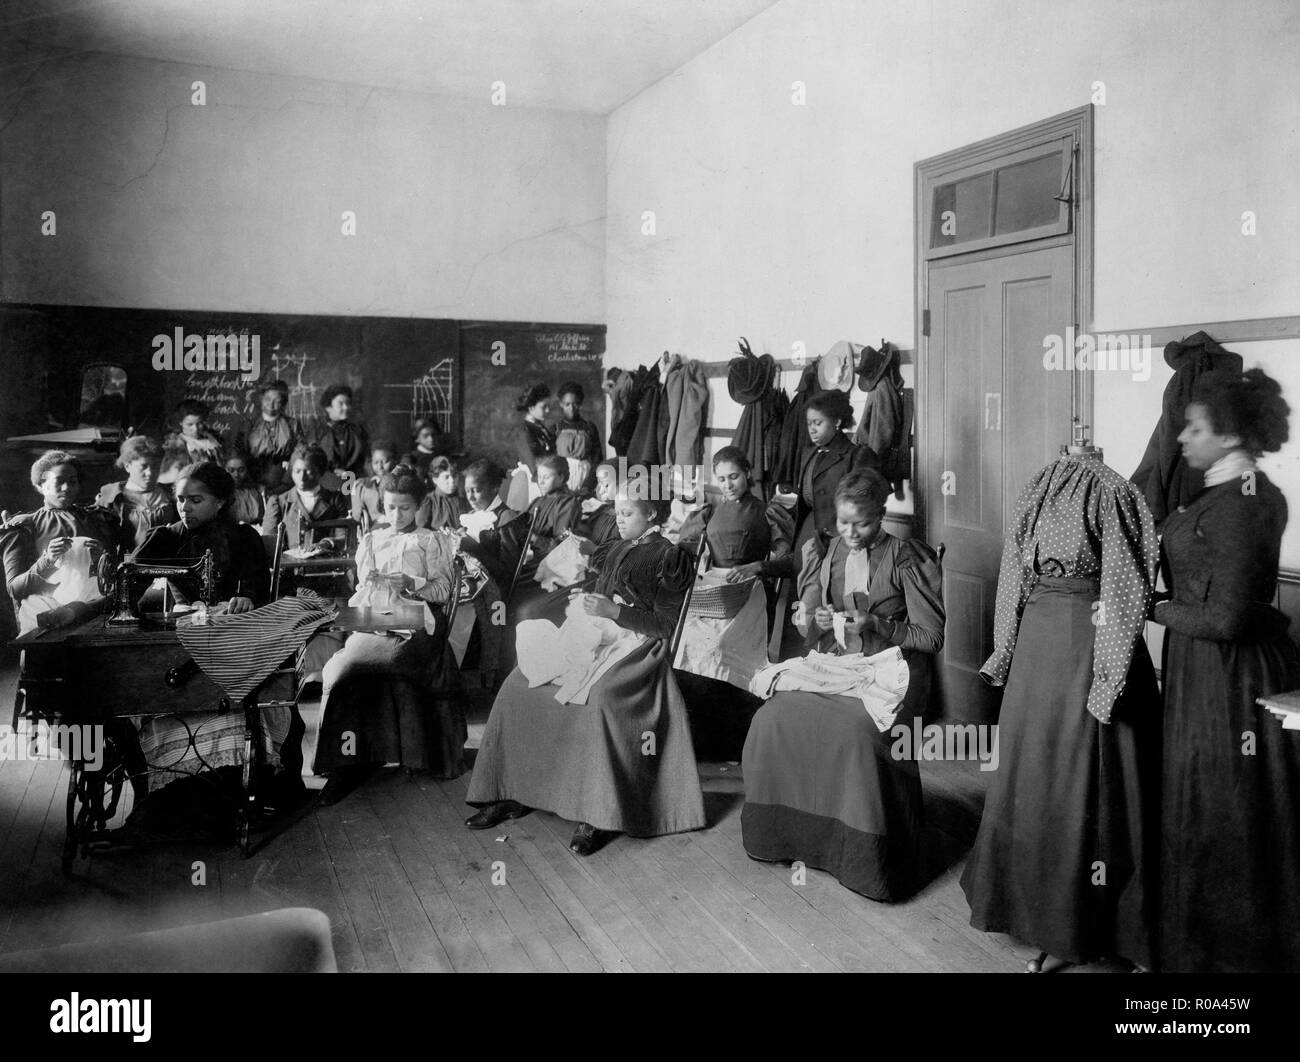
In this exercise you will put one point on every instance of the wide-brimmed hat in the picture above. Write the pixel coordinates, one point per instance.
(835, 368)
(874, 364)
(749, 376)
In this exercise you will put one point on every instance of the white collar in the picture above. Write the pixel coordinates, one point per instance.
(1230, 466)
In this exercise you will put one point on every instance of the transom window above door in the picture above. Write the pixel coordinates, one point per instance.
(1025, 196)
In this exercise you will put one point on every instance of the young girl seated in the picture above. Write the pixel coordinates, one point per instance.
(554, 513)
(385, 697)
(306, 502)
(725, 638)
(481, 539)
(247, 506)
(441, 506)
(42, 549)
(139, 502)
(427, 442)
(616, 754)
(597, 523)
(367, 498)
(824, 782)
(193, 441)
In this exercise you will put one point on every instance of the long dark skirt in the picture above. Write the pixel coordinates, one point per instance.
(622, 761)
(1231, 809)
(823, 786)
(388, 700)
(1066, 856)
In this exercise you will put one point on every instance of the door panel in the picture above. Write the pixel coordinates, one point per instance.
(993, 417)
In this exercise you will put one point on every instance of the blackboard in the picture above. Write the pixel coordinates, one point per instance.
(501, 360)
(50, 346)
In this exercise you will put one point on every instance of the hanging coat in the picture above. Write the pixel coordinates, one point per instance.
(882, 426)
(627, 409)
(644, 445)
(751, 382)
(1163, 477)
(688, 398)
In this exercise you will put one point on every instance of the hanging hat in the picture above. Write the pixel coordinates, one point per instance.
(835, 369)
(749, 376)
(875, 364)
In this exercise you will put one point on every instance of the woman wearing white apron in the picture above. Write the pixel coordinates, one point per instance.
(726, 634)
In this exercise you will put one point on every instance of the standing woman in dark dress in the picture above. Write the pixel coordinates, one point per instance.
(1231, 852)
(533, 437)
(833, 456)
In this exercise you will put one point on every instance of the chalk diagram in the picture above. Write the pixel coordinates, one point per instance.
(429, 396)
(302, 395)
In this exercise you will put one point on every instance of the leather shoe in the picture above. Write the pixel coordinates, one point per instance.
(494, 814)
(587, 839)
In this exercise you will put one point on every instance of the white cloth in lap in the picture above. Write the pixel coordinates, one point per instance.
(879, 681)
(574, 656)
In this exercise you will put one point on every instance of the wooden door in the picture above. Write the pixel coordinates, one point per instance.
(993, 415)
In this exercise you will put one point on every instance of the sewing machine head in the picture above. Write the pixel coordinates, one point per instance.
(150, 594)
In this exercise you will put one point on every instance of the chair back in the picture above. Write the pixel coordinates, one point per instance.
(701, 563)
(277, 557)
(523, 554)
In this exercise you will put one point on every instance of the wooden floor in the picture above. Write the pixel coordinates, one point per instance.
(407, 887)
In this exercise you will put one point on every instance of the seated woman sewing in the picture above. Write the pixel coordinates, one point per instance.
(824, 782)
(385, 697)
(48, 553)
(240, 584)
(611, 749)
(725, 638)
(554, 513)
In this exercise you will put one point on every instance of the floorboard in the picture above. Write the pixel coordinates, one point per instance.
(407, 887)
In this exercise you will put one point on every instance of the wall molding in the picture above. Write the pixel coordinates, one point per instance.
(1251, 330)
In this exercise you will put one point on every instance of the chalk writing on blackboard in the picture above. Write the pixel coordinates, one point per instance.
(226, 395)
(302, 394)
(567, 346)
(428, 395)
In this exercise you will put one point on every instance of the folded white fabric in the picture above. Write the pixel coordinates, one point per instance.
(879, 681)
(563, 566)
(573, 656)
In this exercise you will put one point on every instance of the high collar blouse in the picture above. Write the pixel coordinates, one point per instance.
(1078, 518)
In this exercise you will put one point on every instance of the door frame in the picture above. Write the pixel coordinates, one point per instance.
(1078, 124)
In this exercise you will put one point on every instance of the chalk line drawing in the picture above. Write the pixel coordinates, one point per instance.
(430, 395)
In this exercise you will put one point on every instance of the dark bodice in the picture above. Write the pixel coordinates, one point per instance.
(651, 576)
(238, 557)
(1220, 557)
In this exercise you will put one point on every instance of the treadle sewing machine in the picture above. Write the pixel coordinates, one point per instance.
(145, 594)
(128, 664)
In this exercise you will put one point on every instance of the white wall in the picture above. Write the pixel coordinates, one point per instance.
(786, 223)
(463, 209)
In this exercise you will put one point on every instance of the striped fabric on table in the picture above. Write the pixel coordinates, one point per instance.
(239, 652)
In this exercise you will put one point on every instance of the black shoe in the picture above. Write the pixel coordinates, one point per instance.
(342, 781)
(494, 814)
(587, 839)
